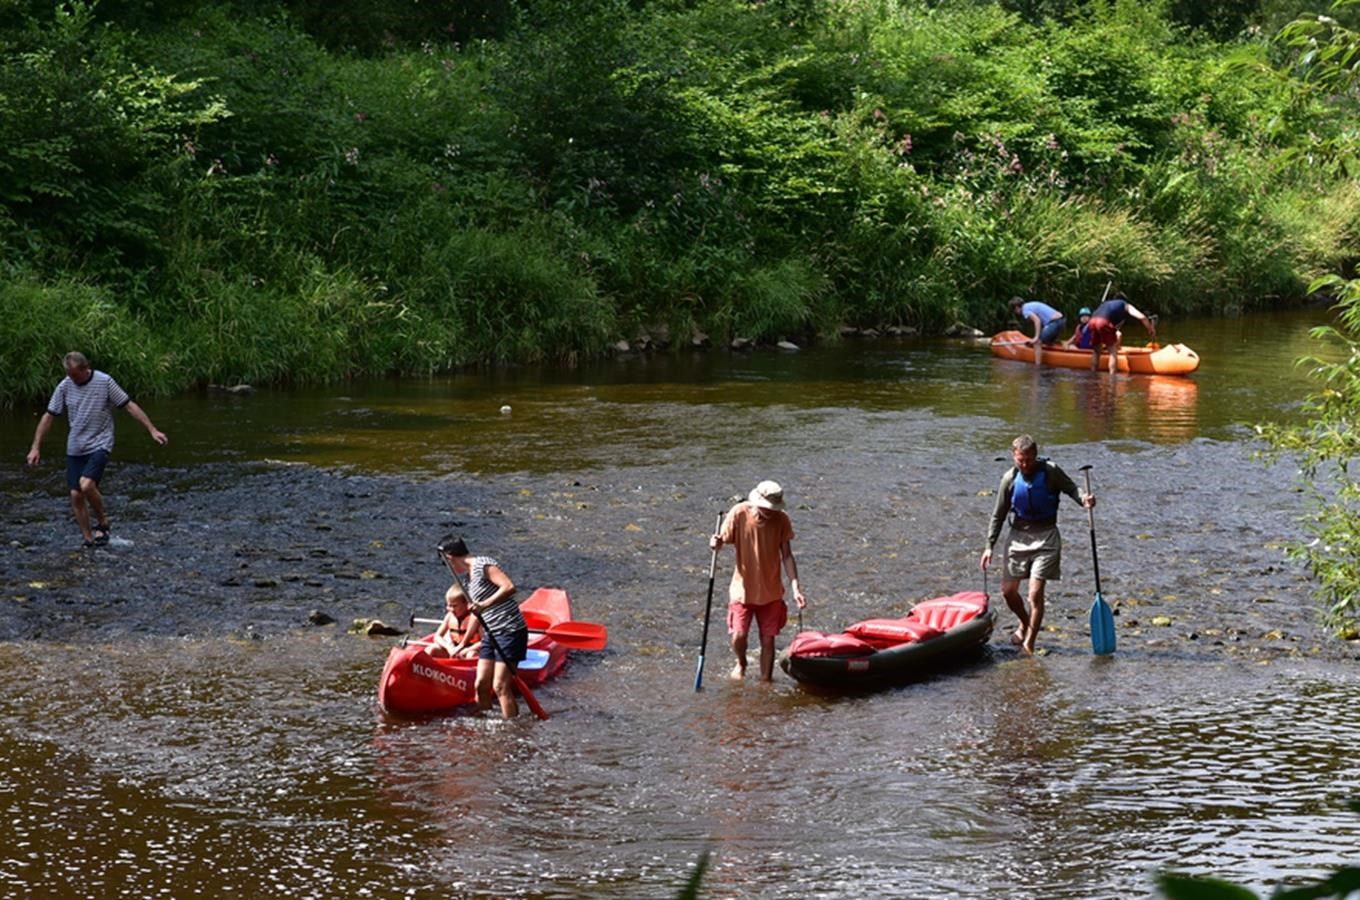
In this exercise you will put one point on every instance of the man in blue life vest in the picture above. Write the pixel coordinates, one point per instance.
(1030, 492)
(1048, 323)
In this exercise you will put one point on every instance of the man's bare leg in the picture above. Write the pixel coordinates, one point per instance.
(1010, 590)
(767, 658)
(1036, 612)
(90, 488)
(82, 514)
(739, 650)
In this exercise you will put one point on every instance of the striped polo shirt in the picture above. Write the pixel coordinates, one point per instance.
(89, 410)
(504, 616)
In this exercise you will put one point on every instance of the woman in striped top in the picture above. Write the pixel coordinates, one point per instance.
(492, 594)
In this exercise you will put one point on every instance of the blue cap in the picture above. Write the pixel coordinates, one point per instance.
(1084, 311)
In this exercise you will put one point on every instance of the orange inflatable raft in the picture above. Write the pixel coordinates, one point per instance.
(1154, 359)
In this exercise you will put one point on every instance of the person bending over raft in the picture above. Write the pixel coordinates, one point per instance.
(760, 531)
(493, 595)
(1104, 328)
(1048, 323)
(1029, 492)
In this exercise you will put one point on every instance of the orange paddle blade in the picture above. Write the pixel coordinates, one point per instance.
(578, 635)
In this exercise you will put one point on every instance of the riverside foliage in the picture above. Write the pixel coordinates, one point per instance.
(305, 191)
(1327, 443)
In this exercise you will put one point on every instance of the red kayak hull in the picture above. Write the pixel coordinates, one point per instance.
(416, 684)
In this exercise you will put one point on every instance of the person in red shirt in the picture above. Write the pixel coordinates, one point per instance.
(760, 532)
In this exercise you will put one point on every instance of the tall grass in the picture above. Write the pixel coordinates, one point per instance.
(763, 170)
(40, 322)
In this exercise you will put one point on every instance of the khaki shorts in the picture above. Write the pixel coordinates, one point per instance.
(1033, 554)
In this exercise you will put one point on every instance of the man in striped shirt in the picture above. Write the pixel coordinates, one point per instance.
(88, 398)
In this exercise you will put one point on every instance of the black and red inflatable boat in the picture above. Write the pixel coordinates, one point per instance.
(879, 652)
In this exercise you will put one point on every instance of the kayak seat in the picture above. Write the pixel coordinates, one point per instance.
(943, 618)
(892, 632)
(949, 612)
(816, 643)
(537, 621)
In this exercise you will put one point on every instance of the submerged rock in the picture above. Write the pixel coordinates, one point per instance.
(317, 617)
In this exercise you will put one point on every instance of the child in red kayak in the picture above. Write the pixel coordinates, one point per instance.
(458, 622)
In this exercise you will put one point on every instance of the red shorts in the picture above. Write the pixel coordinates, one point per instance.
(1103, 333)
(771, 617)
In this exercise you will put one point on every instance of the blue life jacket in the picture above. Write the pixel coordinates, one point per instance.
(1031, 500)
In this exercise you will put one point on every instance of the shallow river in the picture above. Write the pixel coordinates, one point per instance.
(173, 725)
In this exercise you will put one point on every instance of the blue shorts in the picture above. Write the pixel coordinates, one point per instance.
(88, 465)
(515, 645)
(1049, 333)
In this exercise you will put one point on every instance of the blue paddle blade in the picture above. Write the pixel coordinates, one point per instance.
(1102, 627)
(534, 659)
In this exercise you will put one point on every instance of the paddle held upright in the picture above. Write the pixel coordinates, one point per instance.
(1102, 617)
(708, 609)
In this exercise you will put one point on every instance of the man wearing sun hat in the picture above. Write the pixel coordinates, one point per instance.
(760, 532)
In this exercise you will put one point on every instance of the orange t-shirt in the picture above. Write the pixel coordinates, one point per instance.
(759, 576)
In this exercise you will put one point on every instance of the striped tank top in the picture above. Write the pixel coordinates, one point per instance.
(502, 618)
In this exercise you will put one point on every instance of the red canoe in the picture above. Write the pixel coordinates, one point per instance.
(417, 684)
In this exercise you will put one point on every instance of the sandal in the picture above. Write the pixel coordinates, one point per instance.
(88, 545)
(101, 535)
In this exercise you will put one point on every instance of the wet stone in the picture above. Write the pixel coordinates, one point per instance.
(317, 617)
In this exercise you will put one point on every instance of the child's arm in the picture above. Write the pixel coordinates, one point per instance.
(471, 634)
(441, 634)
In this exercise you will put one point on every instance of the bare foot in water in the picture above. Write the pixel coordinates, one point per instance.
(737, 673)
(1018, 637)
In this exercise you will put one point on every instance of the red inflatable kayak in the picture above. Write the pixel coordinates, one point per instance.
(879, 652)
(416, 684)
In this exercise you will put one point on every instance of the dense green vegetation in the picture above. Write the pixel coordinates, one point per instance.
(196, 193)
(1327, 443)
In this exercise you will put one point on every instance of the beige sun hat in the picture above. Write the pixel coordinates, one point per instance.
(767, 495)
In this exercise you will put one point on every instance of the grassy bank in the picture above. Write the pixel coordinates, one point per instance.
(225, 194)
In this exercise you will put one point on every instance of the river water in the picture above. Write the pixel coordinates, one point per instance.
(173, 725)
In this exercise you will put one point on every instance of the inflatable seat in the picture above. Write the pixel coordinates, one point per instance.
(892, 632)
(944, 613)
(816, 643)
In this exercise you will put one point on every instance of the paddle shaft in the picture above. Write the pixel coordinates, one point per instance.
(708, 610)
(1091, 517)
(573, 634)
(530, 700)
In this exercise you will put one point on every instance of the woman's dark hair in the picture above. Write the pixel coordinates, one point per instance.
(452, 545)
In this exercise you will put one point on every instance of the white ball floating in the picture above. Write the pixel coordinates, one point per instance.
(505, 410)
